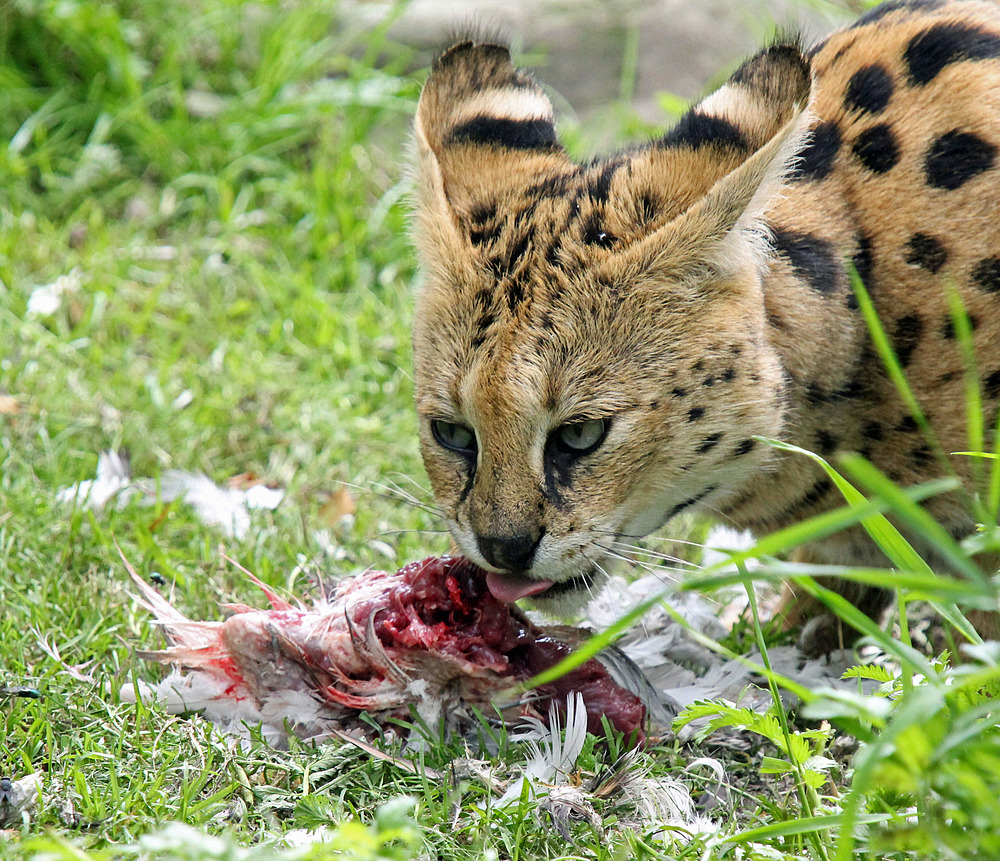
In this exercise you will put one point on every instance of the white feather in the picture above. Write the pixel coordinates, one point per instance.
(553, 756)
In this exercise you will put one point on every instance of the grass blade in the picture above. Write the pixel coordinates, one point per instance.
(883, 347)
(912, 515)
(885, 535)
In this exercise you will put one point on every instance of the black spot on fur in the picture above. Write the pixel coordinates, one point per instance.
(499, 131)
(484, 228)
(595, 234)
(908, 424)
(906, 337)
(553, 186)
(728, 375)
(826, 442)
(483, 298)
(557, 477)
(815, 395)
(855, 388)
(574, 206)
(883, 9)
(921, 455)
(552, 254)
(939, 46)
(744, 447)
(696, 129)
(869, 90)
(515, 295)
(516, 252)
(470, 477)
(482, 213)
(679, 392)
(695, 414)
(986, 274)
(812, 258)
(991, 385)
(775, 321)
(710, 442)
(815, 161)
(948, 327)
(820, 489)
(815, 49)
(843, 50)
(862, 261)
(815, 493)
(600, 188)
(525, 215)
(872, 431)
(687, 503)
(648, 207)
(926, 252)
(956, 157)
(876, 148)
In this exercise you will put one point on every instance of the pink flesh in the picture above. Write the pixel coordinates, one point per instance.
(444, 606)
(508, 588)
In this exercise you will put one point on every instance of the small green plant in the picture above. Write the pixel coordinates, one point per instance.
(803, 750)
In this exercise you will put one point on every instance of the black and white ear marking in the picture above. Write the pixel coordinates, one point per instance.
(756, 123)
(475, 97)
(752, 106)
(482, 128)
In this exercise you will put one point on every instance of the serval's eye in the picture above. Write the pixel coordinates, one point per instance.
(454, 437)
(580, 438)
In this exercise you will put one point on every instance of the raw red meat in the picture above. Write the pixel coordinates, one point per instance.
(430, 636)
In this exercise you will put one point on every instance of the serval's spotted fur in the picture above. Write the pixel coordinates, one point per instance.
(597, 346)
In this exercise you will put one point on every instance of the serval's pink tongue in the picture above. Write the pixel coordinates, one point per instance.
(509, 588)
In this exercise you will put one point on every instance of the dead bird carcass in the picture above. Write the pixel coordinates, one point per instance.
(430, 637)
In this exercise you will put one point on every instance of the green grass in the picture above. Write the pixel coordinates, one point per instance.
(224, 183)
(253, 255)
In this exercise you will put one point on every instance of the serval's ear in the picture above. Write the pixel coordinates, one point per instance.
(715, 175)
(482, 128)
